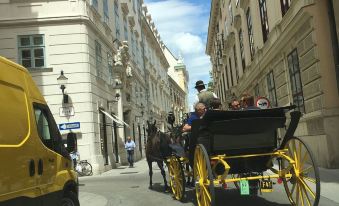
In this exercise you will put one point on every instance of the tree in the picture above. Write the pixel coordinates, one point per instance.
(210, 84)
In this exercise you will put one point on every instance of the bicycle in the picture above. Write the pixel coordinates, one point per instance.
(83, 168)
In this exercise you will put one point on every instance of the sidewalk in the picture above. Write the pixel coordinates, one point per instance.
(140, 166)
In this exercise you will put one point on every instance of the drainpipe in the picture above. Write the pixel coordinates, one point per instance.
(143, 60)
(334, 38)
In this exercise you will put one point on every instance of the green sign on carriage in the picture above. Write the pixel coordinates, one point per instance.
(244, 187)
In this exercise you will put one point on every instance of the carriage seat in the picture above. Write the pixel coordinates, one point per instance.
(238, 132)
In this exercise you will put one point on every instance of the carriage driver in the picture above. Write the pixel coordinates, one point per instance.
(199, 112)
(203, 95)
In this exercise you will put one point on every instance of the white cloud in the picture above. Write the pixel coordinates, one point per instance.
(183, 26)
(188, 43)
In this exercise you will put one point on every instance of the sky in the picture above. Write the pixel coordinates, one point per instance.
(183, 27)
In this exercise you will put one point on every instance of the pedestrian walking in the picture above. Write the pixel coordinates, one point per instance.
(129, 146)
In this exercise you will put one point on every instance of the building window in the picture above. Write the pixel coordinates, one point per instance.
(285, 5)
(32, 51)
(106, 16)
(110, 66)
(296, 85)
(250, 32)
(237, 3)
(134, 5)
(256, 91)
(133, 42)
(224, 87)
(231, 68)
(95, 4)
(235, 64)
(264, 19)
(117, 24)
(230, 12)
(98, 59)
(272, 95)
(227, 75)
(125, 29)
(242, 51)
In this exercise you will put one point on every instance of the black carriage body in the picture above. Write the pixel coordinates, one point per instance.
(240, 133)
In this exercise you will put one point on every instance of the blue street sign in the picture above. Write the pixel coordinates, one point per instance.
(70, 125)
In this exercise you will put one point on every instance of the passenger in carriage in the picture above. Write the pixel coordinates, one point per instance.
(216, 104)
(235, 105)
(199, 112)
(247, 102)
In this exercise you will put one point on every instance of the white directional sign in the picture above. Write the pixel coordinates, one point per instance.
(66, 111)
(70, 125)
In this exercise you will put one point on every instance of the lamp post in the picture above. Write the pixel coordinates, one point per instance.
(142, 107)
(117, 98)
(62, 81)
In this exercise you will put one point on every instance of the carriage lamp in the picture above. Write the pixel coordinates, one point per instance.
(62, 81)
(170, 118)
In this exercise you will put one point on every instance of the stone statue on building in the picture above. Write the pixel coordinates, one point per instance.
(129, 70)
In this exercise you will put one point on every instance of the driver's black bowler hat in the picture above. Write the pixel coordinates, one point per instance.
(199, 83)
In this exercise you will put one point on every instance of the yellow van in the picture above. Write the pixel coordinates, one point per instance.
(35, 167)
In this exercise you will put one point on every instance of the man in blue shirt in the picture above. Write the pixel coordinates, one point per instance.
(129, 146)
(200, 110)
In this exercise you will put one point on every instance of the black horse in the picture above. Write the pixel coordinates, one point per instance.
(157, 149)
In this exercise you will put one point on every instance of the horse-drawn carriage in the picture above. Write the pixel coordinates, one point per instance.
(242, 147)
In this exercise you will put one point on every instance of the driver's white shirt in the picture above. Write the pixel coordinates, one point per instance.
(196, 99)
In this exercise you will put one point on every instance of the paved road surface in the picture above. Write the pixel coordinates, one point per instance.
(129, 187)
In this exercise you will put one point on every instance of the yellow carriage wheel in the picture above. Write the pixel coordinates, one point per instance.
(203, 177)
(177, 178)
(303, 188)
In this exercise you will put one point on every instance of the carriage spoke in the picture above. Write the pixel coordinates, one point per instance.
(207, 192)
(199, 163)
(297, 194)
(301, 196)
(307, 197)
(202, 197)
(304, 159)
(307, 187)
(310, 179)
(207, 196)
(307, 169)
(293, 188)
(299, 155)
(295, 154)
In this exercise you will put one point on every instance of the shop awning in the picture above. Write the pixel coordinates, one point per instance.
(114, 118)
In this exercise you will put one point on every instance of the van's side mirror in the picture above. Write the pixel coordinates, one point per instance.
(71, 141)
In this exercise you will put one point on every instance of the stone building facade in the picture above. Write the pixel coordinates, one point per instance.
(286, 51)
(100, 45)
(178, 78)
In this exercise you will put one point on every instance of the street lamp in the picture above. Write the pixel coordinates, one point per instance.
(142, 107)
(117, 97)
(62, 81)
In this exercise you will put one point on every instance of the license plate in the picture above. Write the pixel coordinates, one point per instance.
(244, 187)
(266, 186)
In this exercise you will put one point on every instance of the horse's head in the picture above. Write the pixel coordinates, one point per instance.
(157, 142)
(151, 129)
